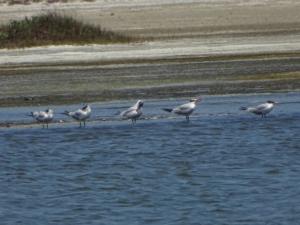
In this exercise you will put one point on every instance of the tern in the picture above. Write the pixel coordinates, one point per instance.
(80, 115)
(262, 109)
(44, 117)
(133, 112)
(186, 109)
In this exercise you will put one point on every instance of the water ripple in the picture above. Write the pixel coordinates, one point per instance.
(221, 168)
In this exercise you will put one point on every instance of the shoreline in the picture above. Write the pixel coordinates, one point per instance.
(127, 78)
(109, 120)
(238, 88)
(147, 51)
(44, 101)
(63, 82)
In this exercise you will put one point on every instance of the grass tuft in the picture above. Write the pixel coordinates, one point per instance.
(55, 29)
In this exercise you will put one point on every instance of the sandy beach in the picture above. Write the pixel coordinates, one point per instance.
(176, 32)
(174, 18)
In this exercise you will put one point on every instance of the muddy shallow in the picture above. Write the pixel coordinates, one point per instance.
(180, 77)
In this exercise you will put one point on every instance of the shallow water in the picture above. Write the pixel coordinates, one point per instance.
(224, 167)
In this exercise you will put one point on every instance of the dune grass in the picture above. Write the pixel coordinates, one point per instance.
(55, 29)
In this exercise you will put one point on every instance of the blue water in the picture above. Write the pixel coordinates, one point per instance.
(224, 167)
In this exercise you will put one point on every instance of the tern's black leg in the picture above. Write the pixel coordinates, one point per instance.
(187, 118)
(80, 124)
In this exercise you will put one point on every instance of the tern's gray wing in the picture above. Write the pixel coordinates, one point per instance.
(78, 113)
(183, 108)
(261, 107)
(40, 116)
(128, 112)
(75, 114)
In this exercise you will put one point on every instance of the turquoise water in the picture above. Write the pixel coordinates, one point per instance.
(224, 167)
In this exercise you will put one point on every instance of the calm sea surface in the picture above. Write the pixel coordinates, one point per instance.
(224, 167)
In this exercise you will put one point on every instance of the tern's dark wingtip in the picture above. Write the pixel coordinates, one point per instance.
(167, 110)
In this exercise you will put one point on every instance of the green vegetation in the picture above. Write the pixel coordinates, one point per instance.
(54, 29)
(273, 76)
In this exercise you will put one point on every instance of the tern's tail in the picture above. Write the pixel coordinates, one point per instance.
(167, 110)
(30, 114)
(66, 113)
(243, 108)
(118, 113)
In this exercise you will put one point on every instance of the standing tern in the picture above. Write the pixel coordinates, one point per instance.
(262, 109)
(44, 117)
(133, 112)
(80, 115)
(186, 109)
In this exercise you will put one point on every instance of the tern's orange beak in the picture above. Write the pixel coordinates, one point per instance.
(196, 100)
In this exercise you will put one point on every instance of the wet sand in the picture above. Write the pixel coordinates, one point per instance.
(63, 84)
(258, 40)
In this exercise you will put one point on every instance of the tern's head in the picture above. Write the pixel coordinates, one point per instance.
(86, 107)
(196, 100)
(139, 104)
(272, 102)
(49, 111)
